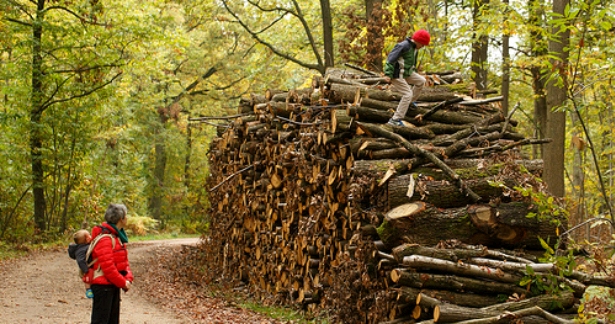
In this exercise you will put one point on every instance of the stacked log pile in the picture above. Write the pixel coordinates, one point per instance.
(315, 201)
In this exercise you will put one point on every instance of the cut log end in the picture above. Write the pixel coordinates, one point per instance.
(395, 275)
(405, 210)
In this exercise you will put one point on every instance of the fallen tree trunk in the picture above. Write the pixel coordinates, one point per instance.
(503, 226)
(455, 254)
(440, 193)
(409, 295)
(510, 316)
(420, 262)
(451, 313)
(425, 280)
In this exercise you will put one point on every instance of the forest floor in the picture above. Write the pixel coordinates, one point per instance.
(43, 287)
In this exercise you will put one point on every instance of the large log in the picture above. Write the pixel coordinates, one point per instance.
(373, 168)
(459, 268)
(457, 254)
(467, 299)
(503, 226)
(440, 193)
(450, 313)
(527, 315)
(348, 93)
(423, 280)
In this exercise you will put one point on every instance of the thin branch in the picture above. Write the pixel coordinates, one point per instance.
(212, 124)
(18, 22)
(507, 121)
(308, 33)
(230, 177)
(594, 219)
(85, 69)
(297, 123)
(81, 18)
(23, 9)
(217, 117)
(83, 94)
(317, 67)
(358, 68)
(193, 85)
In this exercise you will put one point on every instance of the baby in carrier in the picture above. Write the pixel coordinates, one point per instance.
(78, 251)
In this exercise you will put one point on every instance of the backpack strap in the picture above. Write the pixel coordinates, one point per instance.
(93, 244)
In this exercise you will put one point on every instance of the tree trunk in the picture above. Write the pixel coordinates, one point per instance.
(539, 51)
(506, 60)
(158, 185)
(556, 96)
(36, 113)
(327, 33)
(480, 46)
(187, 162)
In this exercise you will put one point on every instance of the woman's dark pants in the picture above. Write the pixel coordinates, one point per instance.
(106, 304)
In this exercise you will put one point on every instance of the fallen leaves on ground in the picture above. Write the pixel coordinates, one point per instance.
(170, 281)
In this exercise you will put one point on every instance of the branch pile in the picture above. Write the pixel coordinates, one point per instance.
(316, 202)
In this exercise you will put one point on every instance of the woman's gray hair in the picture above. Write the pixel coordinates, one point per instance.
(115, 213)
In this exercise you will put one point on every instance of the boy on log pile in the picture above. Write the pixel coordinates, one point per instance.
(400, 71)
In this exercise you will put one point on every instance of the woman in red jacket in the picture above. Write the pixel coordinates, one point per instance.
(111, 270)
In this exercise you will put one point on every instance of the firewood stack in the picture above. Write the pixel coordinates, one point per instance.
(316, 201)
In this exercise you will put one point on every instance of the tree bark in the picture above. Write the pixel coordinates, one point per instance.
(441, 193)
(327, 33)
(506, 59)
(457, 254)
(409, 295)
(480, 46)
(449, 313)
(503, 226)
(36, 113)
(423, 280)
(420, 262)
(556, 96)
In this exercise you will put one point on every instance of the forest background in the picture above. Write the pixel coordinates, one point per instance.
(97, 96)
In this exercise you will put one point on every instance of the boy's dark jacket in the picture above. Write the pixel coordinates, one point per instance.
(401, 61)
(78, 252)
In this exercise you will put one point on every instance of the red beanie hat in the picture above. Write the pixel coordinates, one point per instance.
(421, 36)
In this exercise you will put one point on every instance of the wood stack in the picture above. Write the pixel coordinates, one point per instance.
(315, 201)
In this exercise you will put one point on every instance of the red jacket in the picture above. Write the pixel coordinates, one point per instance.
(111, 259)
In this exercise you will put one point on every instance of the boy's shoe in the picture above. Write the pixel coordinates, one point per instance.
(89, 293)
(396, 122)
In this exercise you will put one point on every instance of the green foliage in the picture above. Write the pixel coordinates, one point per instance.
(547, 209)
(548, 283)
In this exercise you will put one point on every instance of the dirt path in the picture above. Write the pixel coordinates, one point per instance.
(44, 288)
